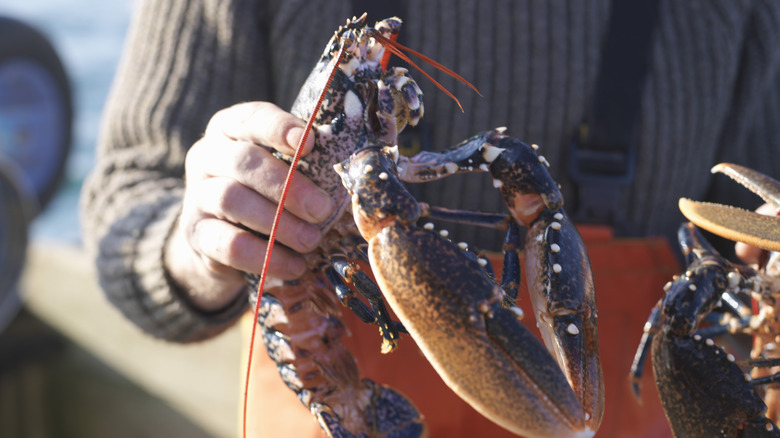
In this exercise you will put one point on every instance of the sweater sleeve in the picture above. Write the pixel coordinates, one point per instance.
(183, 61)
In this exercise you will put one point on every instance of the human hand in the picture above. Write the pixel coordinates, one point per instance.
(233, 179)
(749, 254)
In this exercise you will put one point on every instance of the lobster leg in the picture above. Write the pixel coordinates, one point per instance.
(765, 363)
(510, 279)
(348, 299)
(652, 326)
(351, 273)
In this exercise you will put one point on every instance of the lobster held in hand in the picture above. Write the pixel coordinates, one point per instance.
(444, 296)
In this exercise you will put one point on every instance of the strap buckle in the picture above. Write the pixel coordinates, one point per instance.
(600, 175)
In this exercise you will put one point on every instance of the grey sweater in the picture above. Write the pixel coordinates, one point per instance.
(712, 95)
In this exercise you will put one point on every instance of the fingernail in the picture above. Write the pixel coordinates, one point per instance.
(294, 137)
(318, 204)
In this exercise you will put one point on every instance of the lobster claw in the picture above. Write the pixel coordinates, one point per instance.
(734, 223)
(558, 271)
(560, 283)
(479, 348)
(453, 309)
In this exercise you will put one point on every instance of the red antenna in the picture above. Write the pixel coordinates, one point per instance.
(394, 48)
(275, 226)
(398, 50)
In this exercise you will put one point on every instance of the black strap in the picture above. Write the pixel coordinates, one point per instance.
(378, 10)
(602, 157)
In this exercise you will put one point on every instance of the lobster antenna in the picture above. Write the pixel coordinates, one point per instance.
(275, 226)
(398, 49)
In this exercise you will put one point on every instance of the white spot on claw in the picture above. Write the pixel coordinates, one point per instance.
(497, 183)
(557, 268)
(709, 342)
(368, 168)
(444, 233)
(692, 287)
(490, 152)
(558, 216)
(555, 247)
(451, 167)
(484, 167)
(482, 262)
(428, 226)
(555, 226)
(463, 245)
(572, 330)
(383, 176)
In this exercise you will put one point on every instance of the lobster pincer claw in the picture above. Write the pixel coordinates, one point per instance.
(558, 269)
(560, 282)
(734, 223)
(454, 311)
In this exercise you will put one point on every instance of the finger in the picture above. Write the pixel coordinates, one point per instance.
(226, 199)
(748, 253)
(220, 242)
(262, 123)
(260, 171)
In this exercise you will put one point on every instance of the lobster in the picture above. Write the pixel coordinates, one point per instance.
(705, 390)
(465, 322)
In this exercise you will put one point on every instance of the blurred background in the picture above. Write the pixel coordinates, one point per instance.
(70, 366)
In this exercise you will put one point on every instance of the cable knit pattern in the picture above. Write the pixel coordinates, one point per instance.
(712, 95)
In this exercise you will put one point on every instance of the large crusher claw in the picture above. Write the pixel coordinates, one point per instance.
(456, 311)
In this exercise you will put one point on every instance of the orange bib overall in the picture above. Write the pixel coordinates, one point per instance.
(629, 275)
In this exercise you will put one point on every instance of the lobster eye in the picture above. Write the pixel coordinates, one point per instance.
(348, 40)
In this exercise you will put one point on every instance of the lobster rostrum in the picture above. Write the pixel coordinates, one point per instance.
(465, 322)
(704, 390)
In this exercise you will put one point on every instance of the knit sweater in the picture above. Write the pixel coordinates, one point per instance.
(712, 95)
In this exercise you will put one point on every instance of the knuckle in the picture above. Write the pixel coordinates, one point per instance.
(217, 121)
(232, 247)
